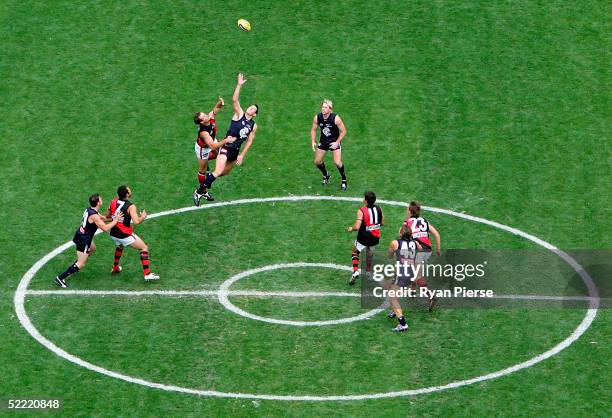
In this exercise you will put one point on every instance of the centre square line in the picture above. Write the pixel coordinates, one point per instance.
(256, 293)
(204, 293)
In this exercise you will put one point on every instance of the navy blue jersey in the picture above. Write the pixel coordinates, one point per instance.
(406, 256)
(240, 129)
(329, 130)
(87, 230)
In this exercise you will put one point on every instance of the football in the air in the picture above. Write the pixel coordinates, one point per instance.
(244, 25)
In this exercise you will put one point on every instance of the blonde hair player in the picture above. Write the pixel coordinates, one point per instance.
(332, 133)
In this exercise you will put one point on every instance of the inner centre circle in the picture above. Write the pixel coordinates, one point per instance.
(224, 293)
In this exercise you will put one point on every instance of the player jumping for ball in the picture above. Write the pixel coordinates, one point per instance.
(332, 133)
(369, 221)
(242, 128)
(206, 143)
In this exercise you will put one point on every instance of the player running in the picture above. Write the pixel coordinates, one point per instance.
(206, 143)
(84, 235)
(421, 228)
(242, 128)
(420, 231)
(405, 250)
(369, 221)
(122, 234)
(332, 133)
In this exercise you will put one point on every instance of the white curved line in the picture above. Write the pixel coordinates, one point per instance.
(225, 286)
(590, 316)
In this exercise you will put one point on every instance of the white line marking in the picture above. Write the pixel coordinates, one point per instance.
(180, 293)
(544, 297)
(588, 319)
(225, 286)
(259, 293)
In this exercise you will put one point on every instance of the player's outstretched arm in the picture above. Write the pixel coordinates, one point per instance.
(108, 216)
(137, 218)
(210, 143)
(248, 144)
(218, 106)
(437, 237)
(99, 221)
(313, 134)
(357, 223)
(235, 98)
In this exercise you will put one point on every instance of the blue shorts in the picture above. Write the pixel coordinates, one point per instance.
(325, 146)
(83, 243)
(230, 153)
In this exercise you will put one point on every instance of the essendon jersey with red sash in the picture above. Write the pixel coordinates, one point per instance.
(420, 231)
(122, 229)
(211, 128)
(369, 231)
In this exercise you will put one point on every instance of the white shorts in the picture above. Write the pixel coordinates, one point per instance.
(125, 241)
(359, 246)
(422, 256)
(202, 153)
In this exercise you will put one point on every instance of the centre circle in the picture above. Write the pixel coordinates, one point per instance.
(224, 290)
(590, 315)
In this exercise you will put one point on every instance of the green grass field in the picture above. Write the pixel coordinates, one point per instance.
(497, 109)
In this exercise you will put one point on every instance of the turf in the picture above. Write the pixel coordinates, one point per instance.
(500, 110)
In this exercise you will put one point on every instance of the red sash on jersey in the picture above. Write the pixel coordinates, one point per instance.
(200, 141)
(371, 221)
(420, 231)
(126, 229)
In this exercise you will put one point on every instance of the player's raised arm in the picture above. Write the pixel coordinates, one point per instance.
(313, 133)
(137, 218)
(248, 144)
(218, 106)
(238, 112)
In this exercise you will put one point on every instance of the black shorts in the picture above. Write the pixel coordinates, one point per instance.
(325, 146)
(405, 279)
(367, 239)
(83, 243)
(230, 153)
